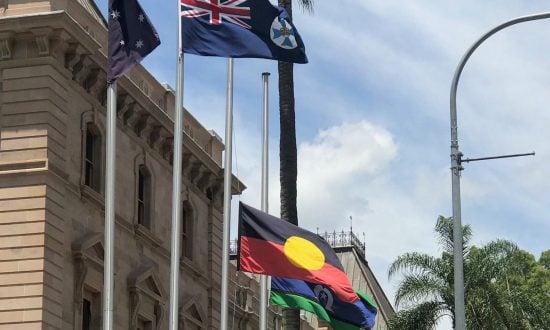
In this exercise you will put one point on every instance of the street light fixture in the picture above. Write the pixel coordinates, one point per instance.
(456, 167)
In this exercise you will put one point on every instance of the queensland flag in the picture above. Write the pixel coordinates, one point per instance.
(240, 28)
(321, 301)
(131, 37)
(271, 246)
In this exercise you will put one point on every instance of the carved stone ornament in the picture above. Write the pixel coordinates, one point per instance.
(144, 282)
(42, 39)
(135, 303)
(160, 312)
(6, 44)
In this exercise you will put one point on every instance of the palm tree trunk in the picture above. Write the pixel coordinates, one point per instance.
(288, 157)
(287, 145)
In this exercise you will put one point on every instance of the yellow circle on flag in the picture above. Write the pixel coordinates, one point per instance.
(303, 253)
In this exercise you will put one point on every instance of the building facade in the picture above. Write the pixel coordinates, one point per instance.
(351, 252)
(52, 160)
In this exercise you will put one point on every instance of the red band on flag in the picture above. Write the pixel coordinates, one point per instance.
(264, 257)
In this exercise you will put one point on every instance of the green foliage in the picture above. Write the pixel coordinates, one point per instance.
(505, 287)
(423, 316)
(544, 259)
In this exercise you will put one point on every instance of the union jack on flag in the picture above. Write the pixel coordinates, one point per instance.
(217, 11)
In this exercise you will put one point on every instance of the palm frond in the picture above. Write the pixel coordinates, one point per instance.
(444, 229)
(493, 261)
(424, 316)
(417, 262)
(306, 5)
(419, 287)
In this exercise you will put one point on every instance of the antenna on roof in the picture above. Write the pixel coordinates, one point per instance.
(351, 223)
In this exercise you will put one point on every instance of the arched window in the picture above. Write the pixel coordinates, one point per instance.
(187, 231)
(92, 158)
(144, 197)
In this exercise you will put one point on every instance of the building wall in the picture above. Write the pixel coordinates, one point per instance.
(52, 84)
(362, 278)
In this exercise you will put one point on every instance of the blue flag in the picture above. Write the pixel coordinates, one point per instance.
(240, 28)
(320, 300)
(131, 37)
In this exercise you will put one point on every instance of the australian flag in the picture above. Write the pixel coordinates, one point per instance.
(131, 37)
(240, 28)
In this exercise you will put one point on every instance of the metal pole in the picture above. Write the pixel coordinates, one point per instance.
(467, 160)
(175, 249)
(460, 316)
(110, 169)
(265, 184)
(227, 179)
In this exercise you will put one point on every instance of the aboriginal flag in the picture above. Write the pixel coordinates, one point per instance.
(271, 246)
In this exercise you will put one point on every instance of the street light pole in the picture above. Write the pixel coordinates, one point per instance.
(456, 167)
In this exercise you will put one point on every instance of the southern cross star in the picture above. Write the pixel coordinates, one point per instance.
(115, 14)
(139, 44)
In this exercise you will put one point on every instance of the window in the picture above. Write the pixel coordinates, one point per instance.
(92, 158)
(144, 197)
(187, 232)
(144, 325)
(91, 310)
(86, 314)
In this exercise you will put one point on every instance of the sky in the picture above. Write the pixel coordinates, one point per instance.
(372, 120)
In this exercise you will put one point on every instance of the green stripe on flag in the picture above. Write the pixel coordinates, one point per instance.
(339, 325)
(367, 298)
(295, 301)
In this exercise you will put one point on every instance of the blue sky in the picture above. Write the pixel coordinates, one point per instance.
(372, 118)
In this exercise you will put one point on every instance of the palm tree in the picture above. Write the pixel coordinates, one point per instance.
(287, 144)
(426, 289)
(287, 149)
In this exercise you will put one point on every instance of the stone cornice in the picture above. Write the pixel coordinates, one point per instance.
(56, 20)
(57, 36)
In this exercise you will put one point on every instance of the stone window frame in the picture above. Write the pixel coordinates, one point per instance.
(88, 258)
(189, 224)
(144, 284)
(187, 313)
(140, 164)
(147, 232)
(89, 119)
(144, 196)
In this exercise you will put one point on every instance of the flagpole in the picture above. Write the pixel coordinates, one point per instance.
(108, 276)
(264, 295)
(227, 179)
(176, 186)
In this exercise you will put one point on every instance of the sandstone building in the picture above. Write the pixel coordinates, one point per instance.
(52, 137)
